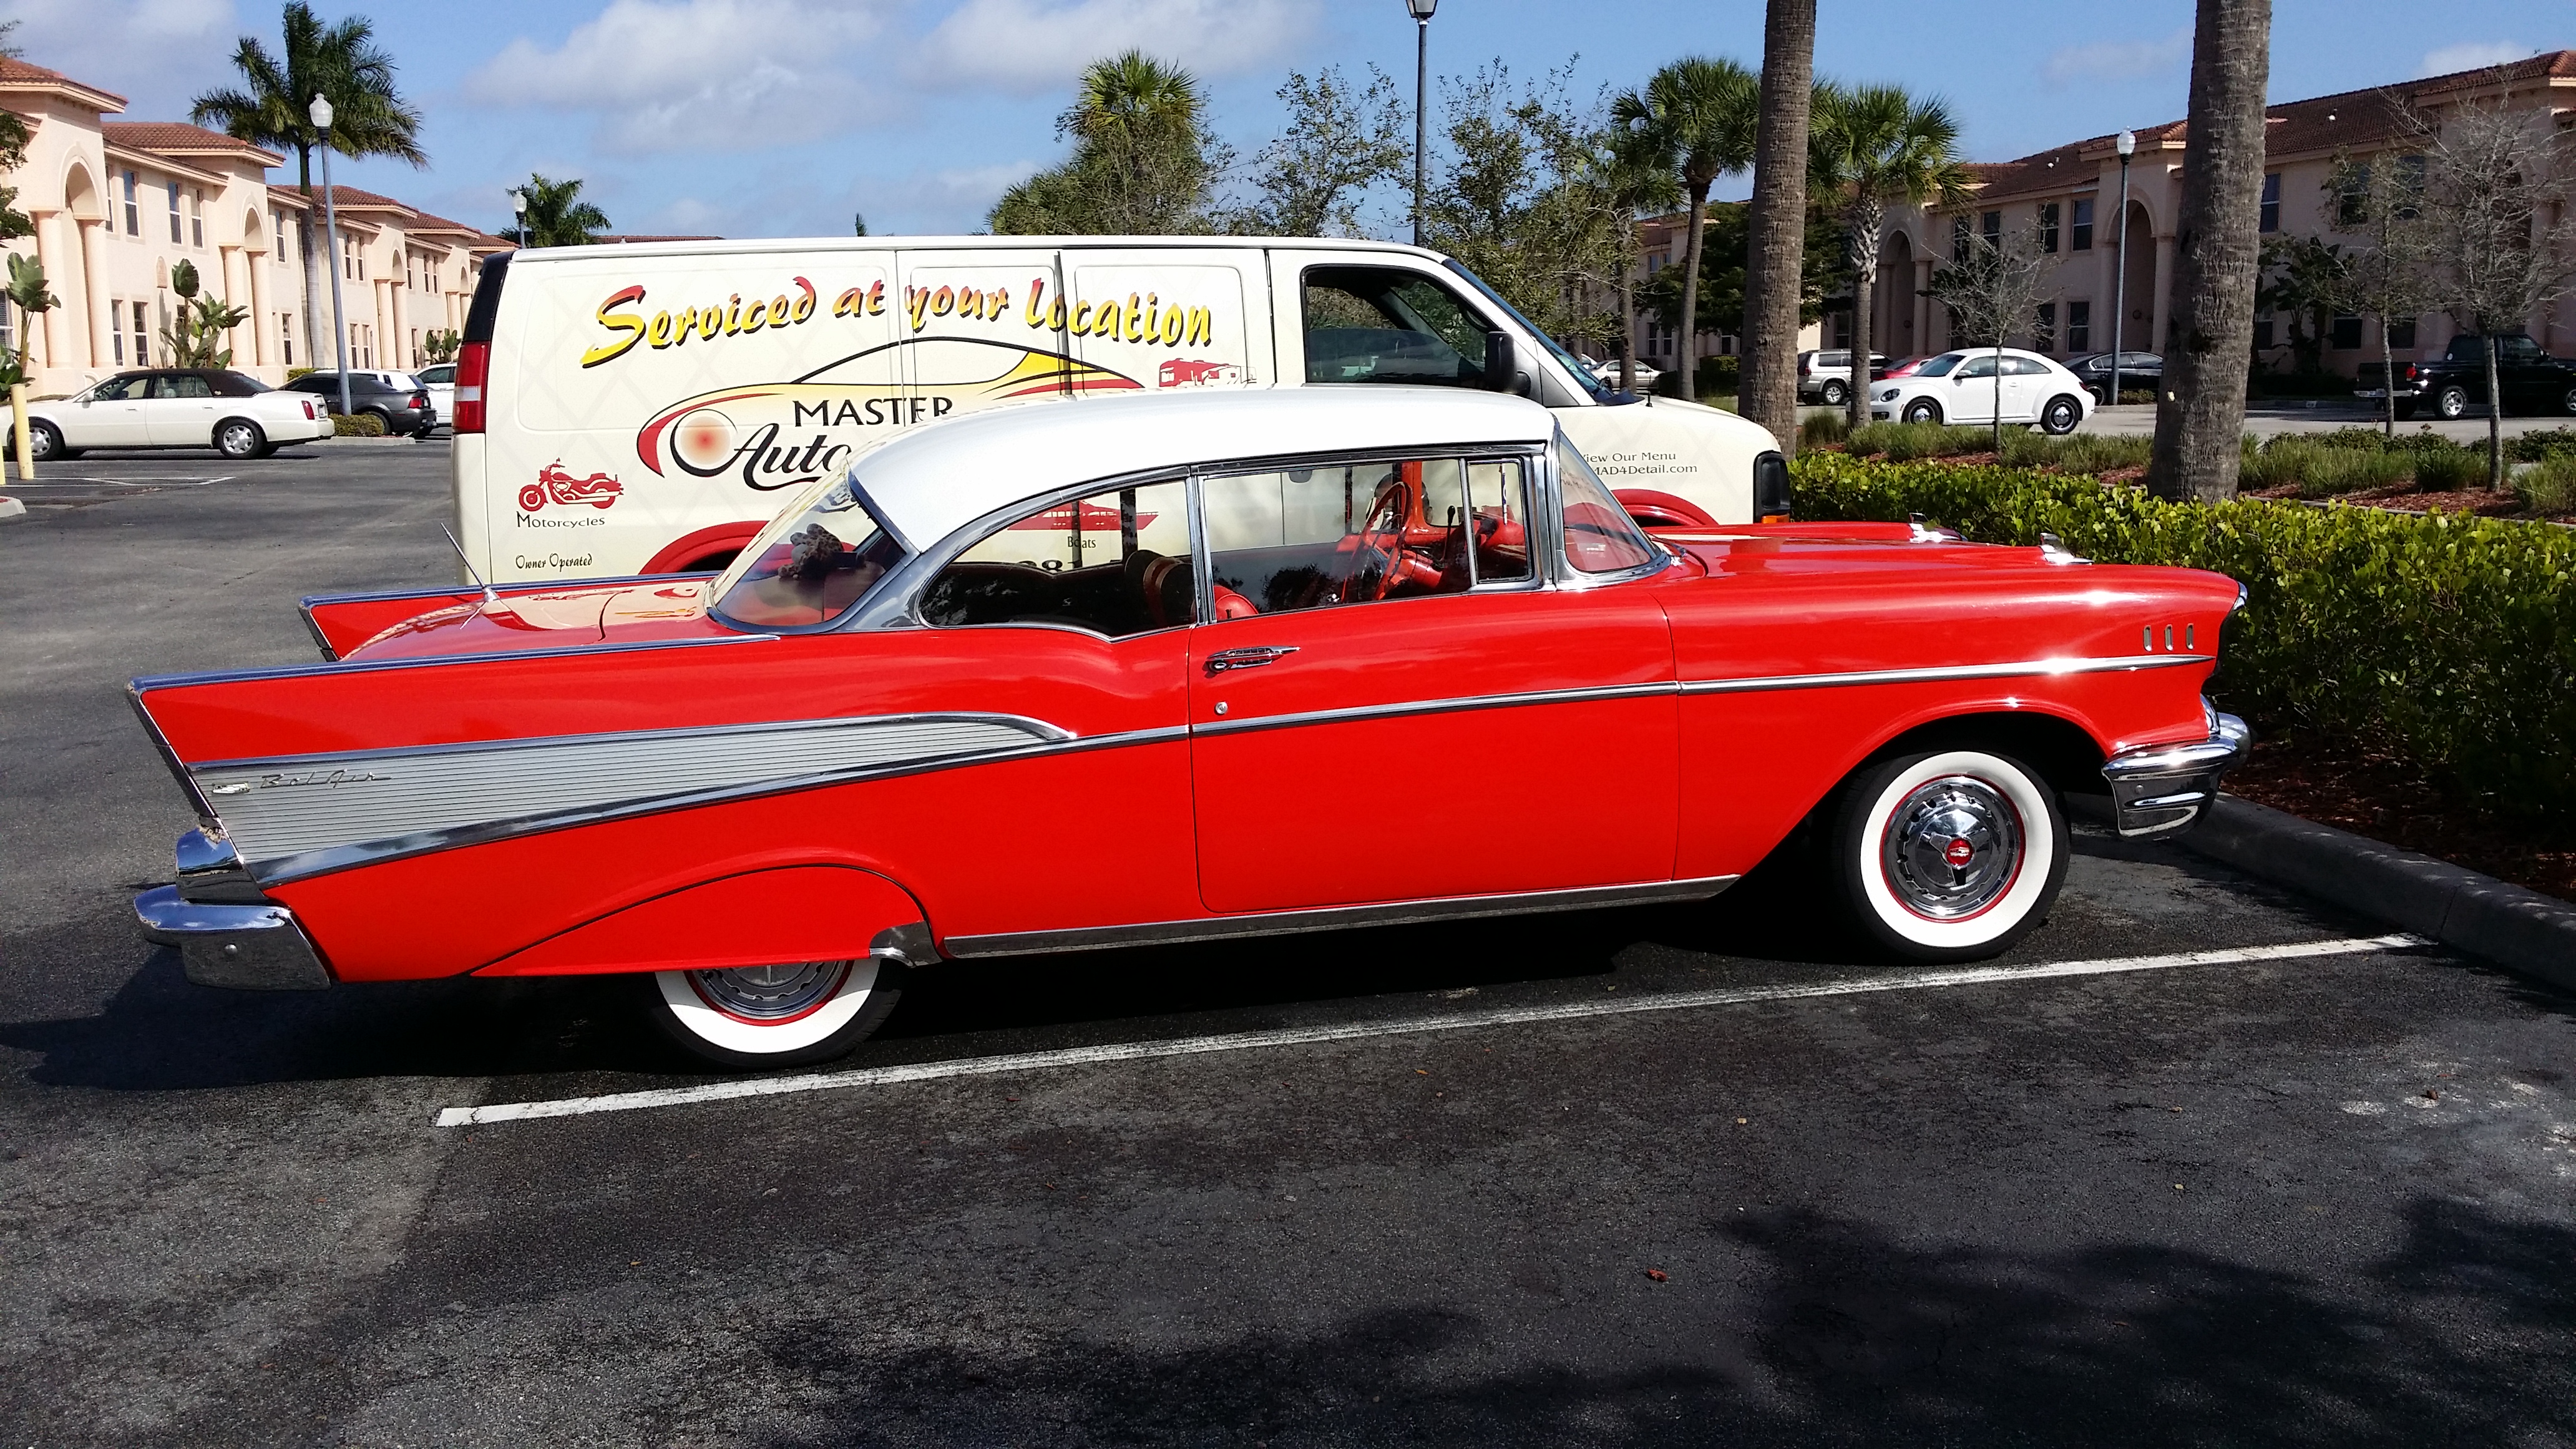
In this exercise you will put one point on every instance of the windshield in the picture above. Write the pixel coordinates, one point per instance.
(811, 564)
(1941, 365)
(1600, 537)
(1601, 392)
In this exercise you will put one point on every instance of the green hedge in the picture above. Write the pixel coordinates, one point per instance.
(2446, 638)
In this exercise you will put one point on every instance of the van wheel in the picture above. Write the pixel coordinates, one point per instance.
(1951, 855)
(1923, 410)
(776, 1016)
(240, 439)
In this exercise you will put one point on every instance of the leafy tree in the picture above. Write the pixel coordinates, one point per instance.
(858, 223)
(1768, 394)
(2208, 344)
(1340, 140)
(2301, 279)
(2385, 275)
(1700, 115)
(557, 216)
(27, 292)
(1143, 158)
(369, 116)
(2497, 191)
(441, 346)
(1523, 201)
(1726, 271)
(1992, 293)
(194, 337)
(1872, 148)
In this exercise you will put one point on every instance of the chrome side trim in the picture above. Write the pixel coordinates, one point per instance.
(387, 596)
(169, 756)
(371, 852)
(1434, 706)
(2161, 789)
(2010, 670)
(247, 947)
(1333, 918)
(431, 661)
(1037, 727)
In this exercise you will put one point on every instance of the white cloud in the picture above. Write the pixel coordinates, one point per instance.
(158, 53)
(696, 75)
(1026, 46)
(2474, 55)
(2116, 59)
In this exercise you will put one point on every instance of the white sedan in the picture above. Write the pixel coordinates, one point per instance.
(201, 407)
(439, 381)
(1608, 373)
(1971, 386)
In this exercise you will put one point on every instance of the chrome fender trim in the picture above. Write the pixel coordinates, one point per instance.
(2161, 789)
(244, 947)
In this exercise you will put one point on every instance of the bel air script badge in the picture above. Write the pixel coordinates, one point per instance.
(332, 779)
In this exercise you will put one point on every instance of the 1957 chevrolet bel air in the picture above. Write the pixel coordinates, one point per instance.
(1169, 669)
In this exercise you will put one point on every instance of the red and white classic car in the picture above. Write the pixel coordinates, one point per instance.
(1312, 659)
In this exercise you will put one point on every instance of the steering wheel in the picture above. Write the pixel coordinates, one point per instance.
(1394, 503)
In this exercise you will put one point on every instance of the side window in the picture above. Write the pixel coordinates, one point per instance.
(180, 384)
(1600, 537)
(2027, 366)
(1383, 324)
(118, 389)
(1978, 367)
(1115, 563)
(1310, 538)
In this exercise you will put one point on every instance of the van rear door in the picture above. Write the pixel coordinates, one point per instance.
(1163, 318)
(979, 330)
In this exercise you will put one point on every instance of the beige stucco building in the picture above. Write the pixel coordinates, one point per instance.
(117, 204)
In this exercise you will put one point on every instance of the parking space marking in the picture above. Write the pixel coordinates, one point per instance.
(1312, 1035)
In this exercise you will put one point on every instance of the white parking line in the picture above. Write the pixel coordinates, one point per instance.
(1309, 1035)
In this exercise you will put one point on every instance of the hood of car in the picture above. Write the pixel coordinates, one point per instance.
(551, 619)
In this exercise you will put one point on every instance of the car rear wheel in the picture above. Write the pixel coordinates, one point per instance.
(1835, 393)
(2451, 402)
(776, 1016)
(1951, 855)
(1923, 410)
(2567, 404)
(240, 439)
(2060, 416)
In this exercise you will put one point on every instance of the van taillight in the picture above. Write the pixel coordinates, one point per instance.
(472, 362)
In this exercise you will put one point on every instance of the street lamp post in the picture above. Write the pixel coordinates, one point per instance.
(519, 206)
(1421, 10)
(321, 113)
(2127, 146)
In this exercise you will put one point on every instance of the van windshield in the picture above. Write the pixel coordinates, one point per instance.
(811, 565)
(1601, 391)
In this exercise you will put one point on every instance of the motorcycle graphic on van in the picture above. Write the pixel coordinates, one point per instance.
(554, 485)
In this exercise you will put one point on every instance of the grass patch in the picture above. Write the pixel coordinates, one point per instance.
(2549, 486)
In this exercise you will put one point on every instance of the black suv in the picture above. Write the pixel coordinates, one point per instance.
(2529, 378)
(401, 404)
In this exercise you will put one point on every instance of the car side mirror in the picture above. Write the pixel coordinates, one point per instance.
(1501, 367)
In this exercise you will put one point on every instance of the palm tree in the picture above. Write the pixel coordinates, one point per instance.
(1635, 180)
(557, 216)
(2209, 332)
(1871, 149)
(1138, 122)
(369, 117)
(1700, 115)
(1776, 239)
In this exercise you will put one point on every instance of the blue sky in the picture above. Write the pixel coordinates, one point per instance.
(781, 117)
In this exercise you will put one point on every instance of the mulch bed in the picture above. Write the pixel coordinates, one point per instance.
(2346, 784)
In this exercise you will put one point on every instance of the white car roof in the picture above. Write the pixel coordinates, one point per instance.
(931, 483)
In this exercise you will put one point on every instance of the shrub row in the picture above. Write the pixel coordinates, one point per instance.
(2447, 638)
(360, 425)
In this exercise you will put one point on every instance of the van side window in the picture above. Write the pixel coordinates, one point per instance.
(1385, 324)
(1115, 563)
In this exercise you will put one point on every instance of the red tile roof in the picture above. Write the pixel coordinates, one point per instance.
(180, 138)
(20, 72)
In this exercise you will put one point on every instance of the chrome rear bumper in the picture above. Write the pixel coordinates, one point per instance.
(2160, 789)
(231, 935)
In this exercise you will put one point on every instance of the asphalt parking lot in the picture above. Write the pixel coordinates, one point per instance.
(1650, 1177)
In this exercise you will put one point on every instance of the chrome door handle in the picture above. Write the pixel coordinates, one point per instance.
(1225, 659)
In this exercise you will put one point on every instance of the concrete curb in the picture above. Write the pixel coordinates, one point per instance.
(2520, 930)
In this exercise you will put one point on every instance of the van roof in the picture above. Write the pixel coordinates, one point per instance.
(628, 251)
(931, 483)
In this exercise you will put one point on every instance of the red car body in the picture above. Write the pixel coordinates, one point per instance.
(619, 778)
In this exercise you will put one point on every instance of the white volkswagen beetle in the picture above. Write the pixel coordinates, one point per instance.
(1969, 387)
(171, 407)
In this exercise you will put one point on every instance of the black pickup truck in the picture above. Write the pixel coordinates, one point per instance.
(2530, 379)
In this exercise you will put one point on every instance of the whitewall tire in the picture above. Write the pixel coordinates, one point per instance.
(1951, 855)
(776, 1016)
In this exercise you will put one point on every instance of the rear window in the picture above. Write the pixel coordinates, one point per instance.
(1941, 365)
(237, 384)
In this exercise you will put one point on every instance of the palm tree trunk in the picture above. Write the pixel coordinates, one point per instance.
(1865, 219)
(1688, 361)
(1627, 317)
(1768, 392)
(2209, 334)
(313, 281)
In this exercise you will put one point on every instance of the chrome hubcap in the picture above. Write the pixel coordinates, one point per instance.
(1951, 848)
(770, 993)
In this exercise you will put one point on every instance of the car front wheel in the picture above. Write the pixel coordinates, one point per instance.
(776, 1016)
(1836, 394)
(1923, 410)
(43, 441)
(2567, 404)
(1951, 855)
(2451, 402)
(2060, 416)
(240, 439)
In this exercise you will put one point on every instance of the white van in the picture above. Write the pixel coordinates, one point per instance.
(643, 409)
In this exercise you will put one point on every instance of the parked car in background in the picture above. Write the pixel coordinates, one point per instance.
(1608, 373)
(1902, 367)
(1825, 376)
(2530, 379)
(1966, 387)
(439, 381)
(235, 414)
(394, 398)
(768, 796)
(2143, 370)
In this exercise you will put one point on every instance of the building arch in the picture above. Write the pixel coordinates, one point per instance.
(81, 195)
(1891, 322)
